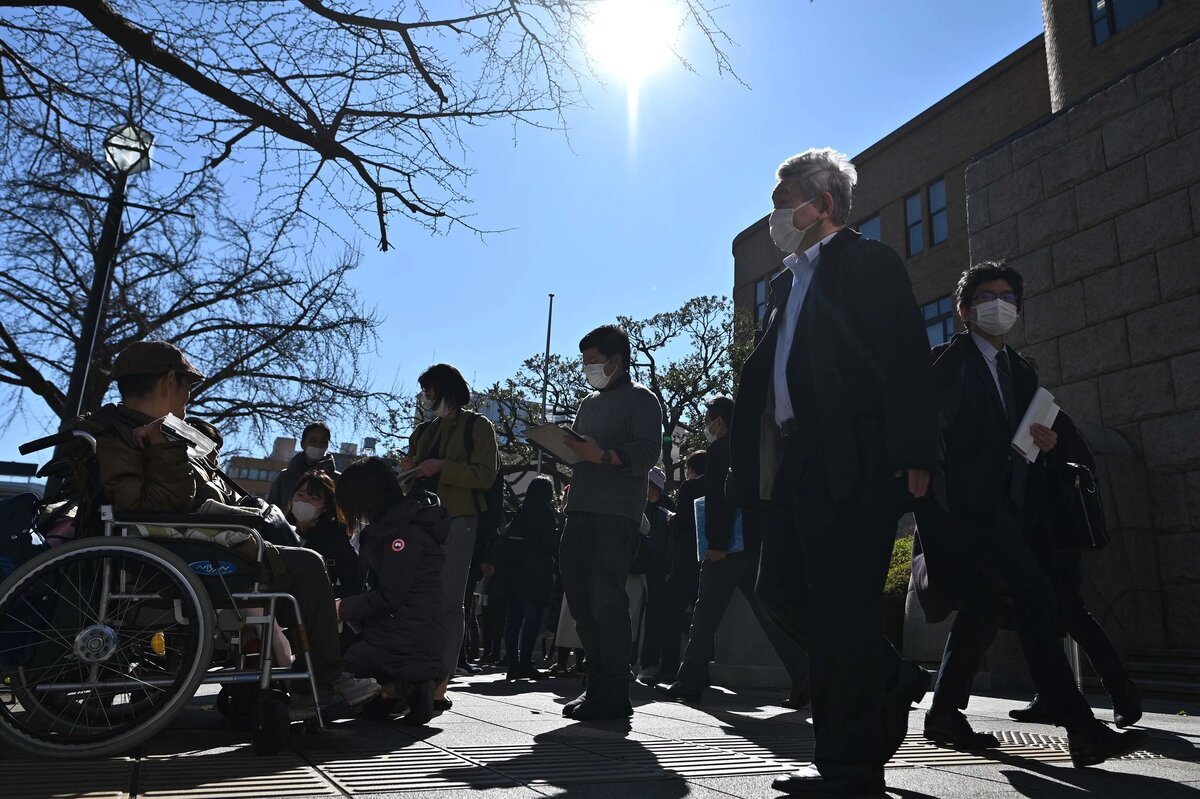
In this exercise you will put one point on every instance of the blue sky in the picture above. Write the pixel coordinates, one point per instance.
(615, 223)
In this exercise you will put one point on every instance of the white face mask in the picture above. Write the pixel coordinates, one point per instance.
(594, 372)
(442, 409)
(709, 435)
(996, 317)
(784, 232)
(315, 454)
(304, 511)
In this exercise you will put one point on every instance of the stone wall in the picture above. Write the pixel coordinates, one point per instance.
(1099, 208)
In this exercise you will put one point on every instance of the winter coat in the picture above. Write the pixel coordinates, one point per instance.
(527, 551)
(400, 616)
(329, 540)
(285, 482)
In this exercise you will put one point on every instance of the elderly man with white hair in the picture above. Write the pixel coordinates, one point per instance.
(834, 435)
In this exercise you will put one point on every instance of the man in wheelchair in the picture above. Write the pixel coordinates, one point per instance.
(143, 470)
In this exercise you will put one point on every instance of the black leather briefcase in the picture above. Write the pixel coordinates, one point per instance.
(1075, 514)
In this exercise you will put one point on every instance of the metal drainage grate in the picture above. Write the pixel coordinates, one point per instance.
(415, 768)
(45, 779)
(237, 774)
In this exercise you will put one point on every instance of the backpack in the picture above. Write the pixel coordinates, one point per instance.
(19, 536)
(493, 516)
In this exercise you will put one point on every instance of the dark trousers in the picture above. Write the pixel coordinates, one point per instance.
(821, 577)
(305, 578)
(1010, 568)
(682, 585)
(1083, 627)
(655, 610)
(491, 628)
(594, 559)
(521, 630)
(718, 580)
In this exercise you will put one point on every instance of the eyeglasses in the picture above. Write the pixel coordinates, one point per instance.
(987, 296)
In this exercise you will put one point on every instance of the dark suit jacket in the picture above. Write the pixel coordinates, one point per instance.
(972, 475)
(719, 513)
(865, 362)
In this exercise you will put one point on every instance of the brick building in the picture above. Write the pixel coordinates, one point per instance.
(1077, 158)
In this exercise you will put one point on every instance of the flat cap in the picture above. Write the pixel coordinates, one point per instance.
(658, 478)
(153, 358)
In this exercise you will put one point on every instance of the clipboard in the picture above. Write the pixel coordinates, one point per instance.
(549, 439)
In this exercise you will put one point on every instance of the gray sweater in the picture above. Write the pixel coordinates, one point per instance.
(627, 419)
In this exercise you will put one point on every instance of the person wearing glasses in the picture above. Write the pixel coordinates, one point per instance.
(994, 497)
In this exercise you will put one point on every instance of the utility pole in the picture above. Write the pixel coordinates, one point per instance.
(546, 371)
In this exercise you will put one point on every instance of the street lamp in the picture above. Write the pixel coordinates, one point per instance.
(127, 150)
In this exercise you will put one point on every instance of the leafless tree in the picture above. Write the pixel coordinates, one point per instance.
(281, 337)
(360, 103)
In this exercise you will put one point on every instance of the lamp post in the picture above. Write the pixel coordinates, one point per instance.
(546, 371)
(127, 150)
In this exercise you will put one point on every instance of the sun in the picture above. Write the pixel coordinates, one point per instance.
(633, 39)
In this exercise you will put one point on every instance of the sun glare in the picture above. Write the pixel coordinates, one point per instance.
(633, 39)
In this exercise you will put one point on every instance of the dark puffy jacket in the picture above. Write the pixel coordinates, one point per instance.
(400, 616)
(525, 562)
(285, 482)
(329, 540)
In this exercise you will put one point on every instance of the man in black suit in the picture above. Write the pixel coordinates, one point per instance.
(833, 432)
(982, 389)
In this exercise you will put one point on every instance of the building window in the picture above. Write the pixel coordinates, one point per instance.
(869, 228)
(912, 217)
(1110, 17)
(939, 225)
(760, 302)
(939, 320)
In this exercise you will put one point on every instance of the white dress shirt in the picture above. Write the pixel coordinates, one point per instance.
(989, 357)
(803, 266)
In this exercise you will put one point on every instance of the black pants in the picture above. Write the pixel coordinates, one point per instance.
(594, 559)
(655, 607)
(1083, 627)
(491, 632)
(1010, 568)
(305, 578)
(682, 585)
(521, 630)
(718, 580)
(821, 577)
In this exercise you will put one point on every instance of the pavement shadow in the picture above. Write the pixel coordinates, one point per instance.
(1036, 780)
(580, 765)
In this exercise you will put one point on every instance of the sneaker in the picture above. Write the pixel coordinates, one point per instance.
(352, 690)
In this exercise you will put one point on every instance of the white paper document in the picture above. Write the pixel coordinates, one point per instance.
(199, 445)
(1042, 410)
(549, 438)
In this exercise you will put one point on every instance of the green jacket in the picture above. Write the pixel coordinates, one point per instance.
(465, 476)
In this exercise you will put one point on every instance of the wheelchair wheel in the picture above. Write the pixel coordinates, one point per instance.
(236, 704)
(103, 641)
(272, 722)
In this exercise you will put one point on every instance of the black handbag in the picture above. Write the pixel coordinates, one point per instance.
(1076, 516)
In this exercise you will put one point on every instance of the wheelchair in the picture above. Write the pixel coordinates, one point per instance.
(104, 640)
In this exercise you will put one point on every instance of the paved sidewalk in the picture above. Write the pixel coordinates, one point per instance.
(509, 741)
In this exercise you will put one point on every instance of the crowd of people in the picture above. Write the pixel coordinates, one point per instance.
(843, 421)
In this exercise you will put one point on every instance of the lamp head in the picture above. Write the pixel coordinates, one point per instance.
(127, 149)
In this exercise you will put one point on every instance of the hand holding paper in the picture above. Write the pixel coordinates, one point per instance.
(1043, 411)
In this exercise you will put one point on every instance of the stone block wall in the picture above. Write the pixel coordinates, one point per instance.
(1099, 208)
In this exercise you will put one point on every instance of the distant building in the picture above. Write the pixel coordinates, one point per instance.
(19, 478)
(1077, 159)
(256, 474)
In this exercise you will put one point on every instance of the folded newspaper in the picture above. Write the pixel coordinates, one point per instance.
(1042, 410)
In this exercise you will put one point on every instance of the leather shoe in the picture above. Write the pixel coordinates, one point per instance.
(809, 782)
(799, 698)
(1127, 705)
(569, 708)
(1094, 742)
(1036, 712)
(912, 681)
(680, 692)
(951, 728)
(594, 710)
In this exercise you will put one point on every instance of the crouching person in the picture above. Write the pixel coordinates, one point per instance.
(143, 471)
(399, 618)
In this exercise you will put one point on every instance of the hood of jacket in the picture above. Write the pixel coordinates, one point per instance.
(413, 513)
